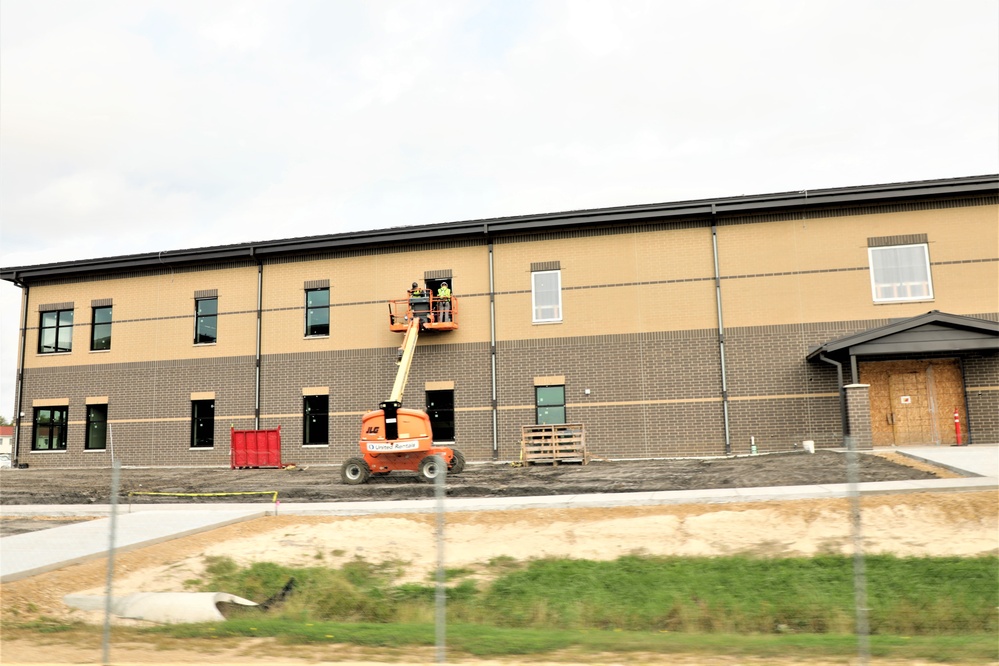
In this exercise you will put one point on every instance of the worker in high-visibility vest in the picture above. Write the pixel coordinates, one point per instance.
(444, 303)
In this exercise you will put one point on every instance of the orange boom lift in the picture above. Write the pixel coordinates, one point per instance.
(394, 438)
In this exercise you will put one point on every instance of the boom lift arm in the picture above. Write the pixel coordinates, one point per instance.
(392, 405)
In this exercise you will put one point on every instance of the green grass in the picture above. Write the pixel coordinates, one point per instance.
(930, 609)
(731, 595)
(483, 641)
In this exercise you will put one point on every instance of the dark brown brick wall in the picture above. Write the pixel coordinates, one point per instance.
(651, 395)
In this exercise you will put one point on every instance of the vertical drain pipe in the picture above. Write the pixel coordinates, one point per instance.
(842, 392)
(25, 292)
(492, 346)
(721, 330)
(260, 302)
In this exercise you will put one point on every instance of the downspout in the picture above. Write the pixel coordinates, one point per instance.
(721, 331)
(492, 346)
(25, 291)
(260, 301)
(842, 392)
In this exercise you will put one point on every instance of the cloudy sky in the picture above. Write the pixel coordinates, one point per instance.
(136, 126)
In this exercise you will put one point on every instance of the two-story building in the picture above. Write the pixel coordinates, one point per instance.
(690, 328)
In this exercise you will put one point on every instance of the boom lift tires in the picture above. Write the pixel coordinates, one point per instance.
(355, 471)
(457, 462)
(431, 467)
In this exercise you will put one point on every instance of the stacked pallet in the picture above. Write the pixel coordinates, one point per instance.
(554, 444)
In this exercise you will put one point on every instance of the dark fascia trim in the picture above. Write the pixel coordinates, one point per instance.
(706, 209)
(931, 317)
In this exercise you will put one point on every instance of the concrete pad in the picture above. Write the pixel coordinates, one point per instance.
(25, 555)
(976, 460)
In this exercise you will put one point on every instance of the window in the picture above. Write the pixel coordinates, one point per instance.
(900, 273)
(100, 329)
(206, 316)
(440, 409)
(50, 429)
(317, 420)
(55, 332)
(202, 424)
(550, 403)
(317, 312)
(546, 295)
(97, 427)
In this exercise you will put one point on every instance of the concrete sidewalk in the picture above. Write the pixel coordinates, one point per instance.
(141, 525)
(977, 459)
(24, 555)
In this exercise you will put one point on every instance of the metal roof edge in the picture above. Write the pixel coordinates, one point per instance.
(703, 208)
(933, 316)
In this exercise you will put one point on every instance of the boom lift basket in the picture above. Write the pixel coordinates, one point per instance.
(428, 309)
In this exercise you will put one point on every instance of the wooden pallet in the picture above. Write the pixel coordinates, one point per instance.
(553, 444)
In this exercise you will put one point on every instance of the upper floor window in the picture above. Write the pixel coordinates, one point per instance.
(550, 404)
(206, 325)
(900, 273)
(97, 427)
(50, 429)
(317, 311)
(100, 330)
(202, 424)
(546, 295)
(55, 331)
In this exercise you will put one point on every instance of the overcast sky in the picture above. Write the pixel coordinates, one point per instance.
(139, 126)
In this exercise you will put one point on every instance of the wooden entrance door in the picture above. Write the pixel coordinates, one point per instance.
(913, 402)
(911, 420)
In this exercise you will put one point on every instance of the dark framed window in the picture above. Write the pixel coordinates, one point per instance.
(100, 329)
(206, 315)
(50, 429)
(317, 311)
(440, 408)
(55, 332)
(97, 427)
(550, 404)
(202, 424)
(317, 420)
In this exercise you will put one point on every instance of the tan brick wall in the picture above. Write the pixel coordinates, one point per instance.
(153, 317)
(802, 270)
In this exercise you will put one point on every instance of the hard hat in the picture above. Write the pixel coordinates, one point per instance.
(443, 284)
(414, 285)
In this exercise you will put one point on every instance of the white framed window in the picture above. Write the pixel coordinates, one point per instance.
(900, 273)
(546, 296)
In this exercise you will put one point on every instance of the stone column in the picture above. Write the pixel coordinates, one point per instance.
(858, 414)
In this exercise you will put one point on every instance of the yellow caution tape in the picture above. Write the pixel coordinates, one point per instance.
(272, 493)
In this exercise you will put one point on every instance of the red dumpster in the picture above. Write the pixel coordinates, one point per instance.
(255, 448)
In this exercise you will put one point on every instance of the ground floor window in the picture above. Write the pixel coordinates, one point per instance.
(202, 424)
(317, 419)
(550, 404)
(97, 427)
(440, 408)
(50, 429)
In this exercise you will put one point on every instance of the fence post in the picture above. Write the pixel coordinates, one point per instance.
(106, 641)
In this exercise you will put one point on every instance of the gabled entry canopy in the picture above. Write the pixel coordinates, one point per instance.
(930, 333)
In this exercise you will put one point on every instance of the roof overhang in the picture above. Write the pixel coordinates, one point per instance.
(932, 333)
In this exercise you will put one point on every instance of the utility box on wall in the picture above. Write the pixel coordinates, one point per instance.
(255, 448)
